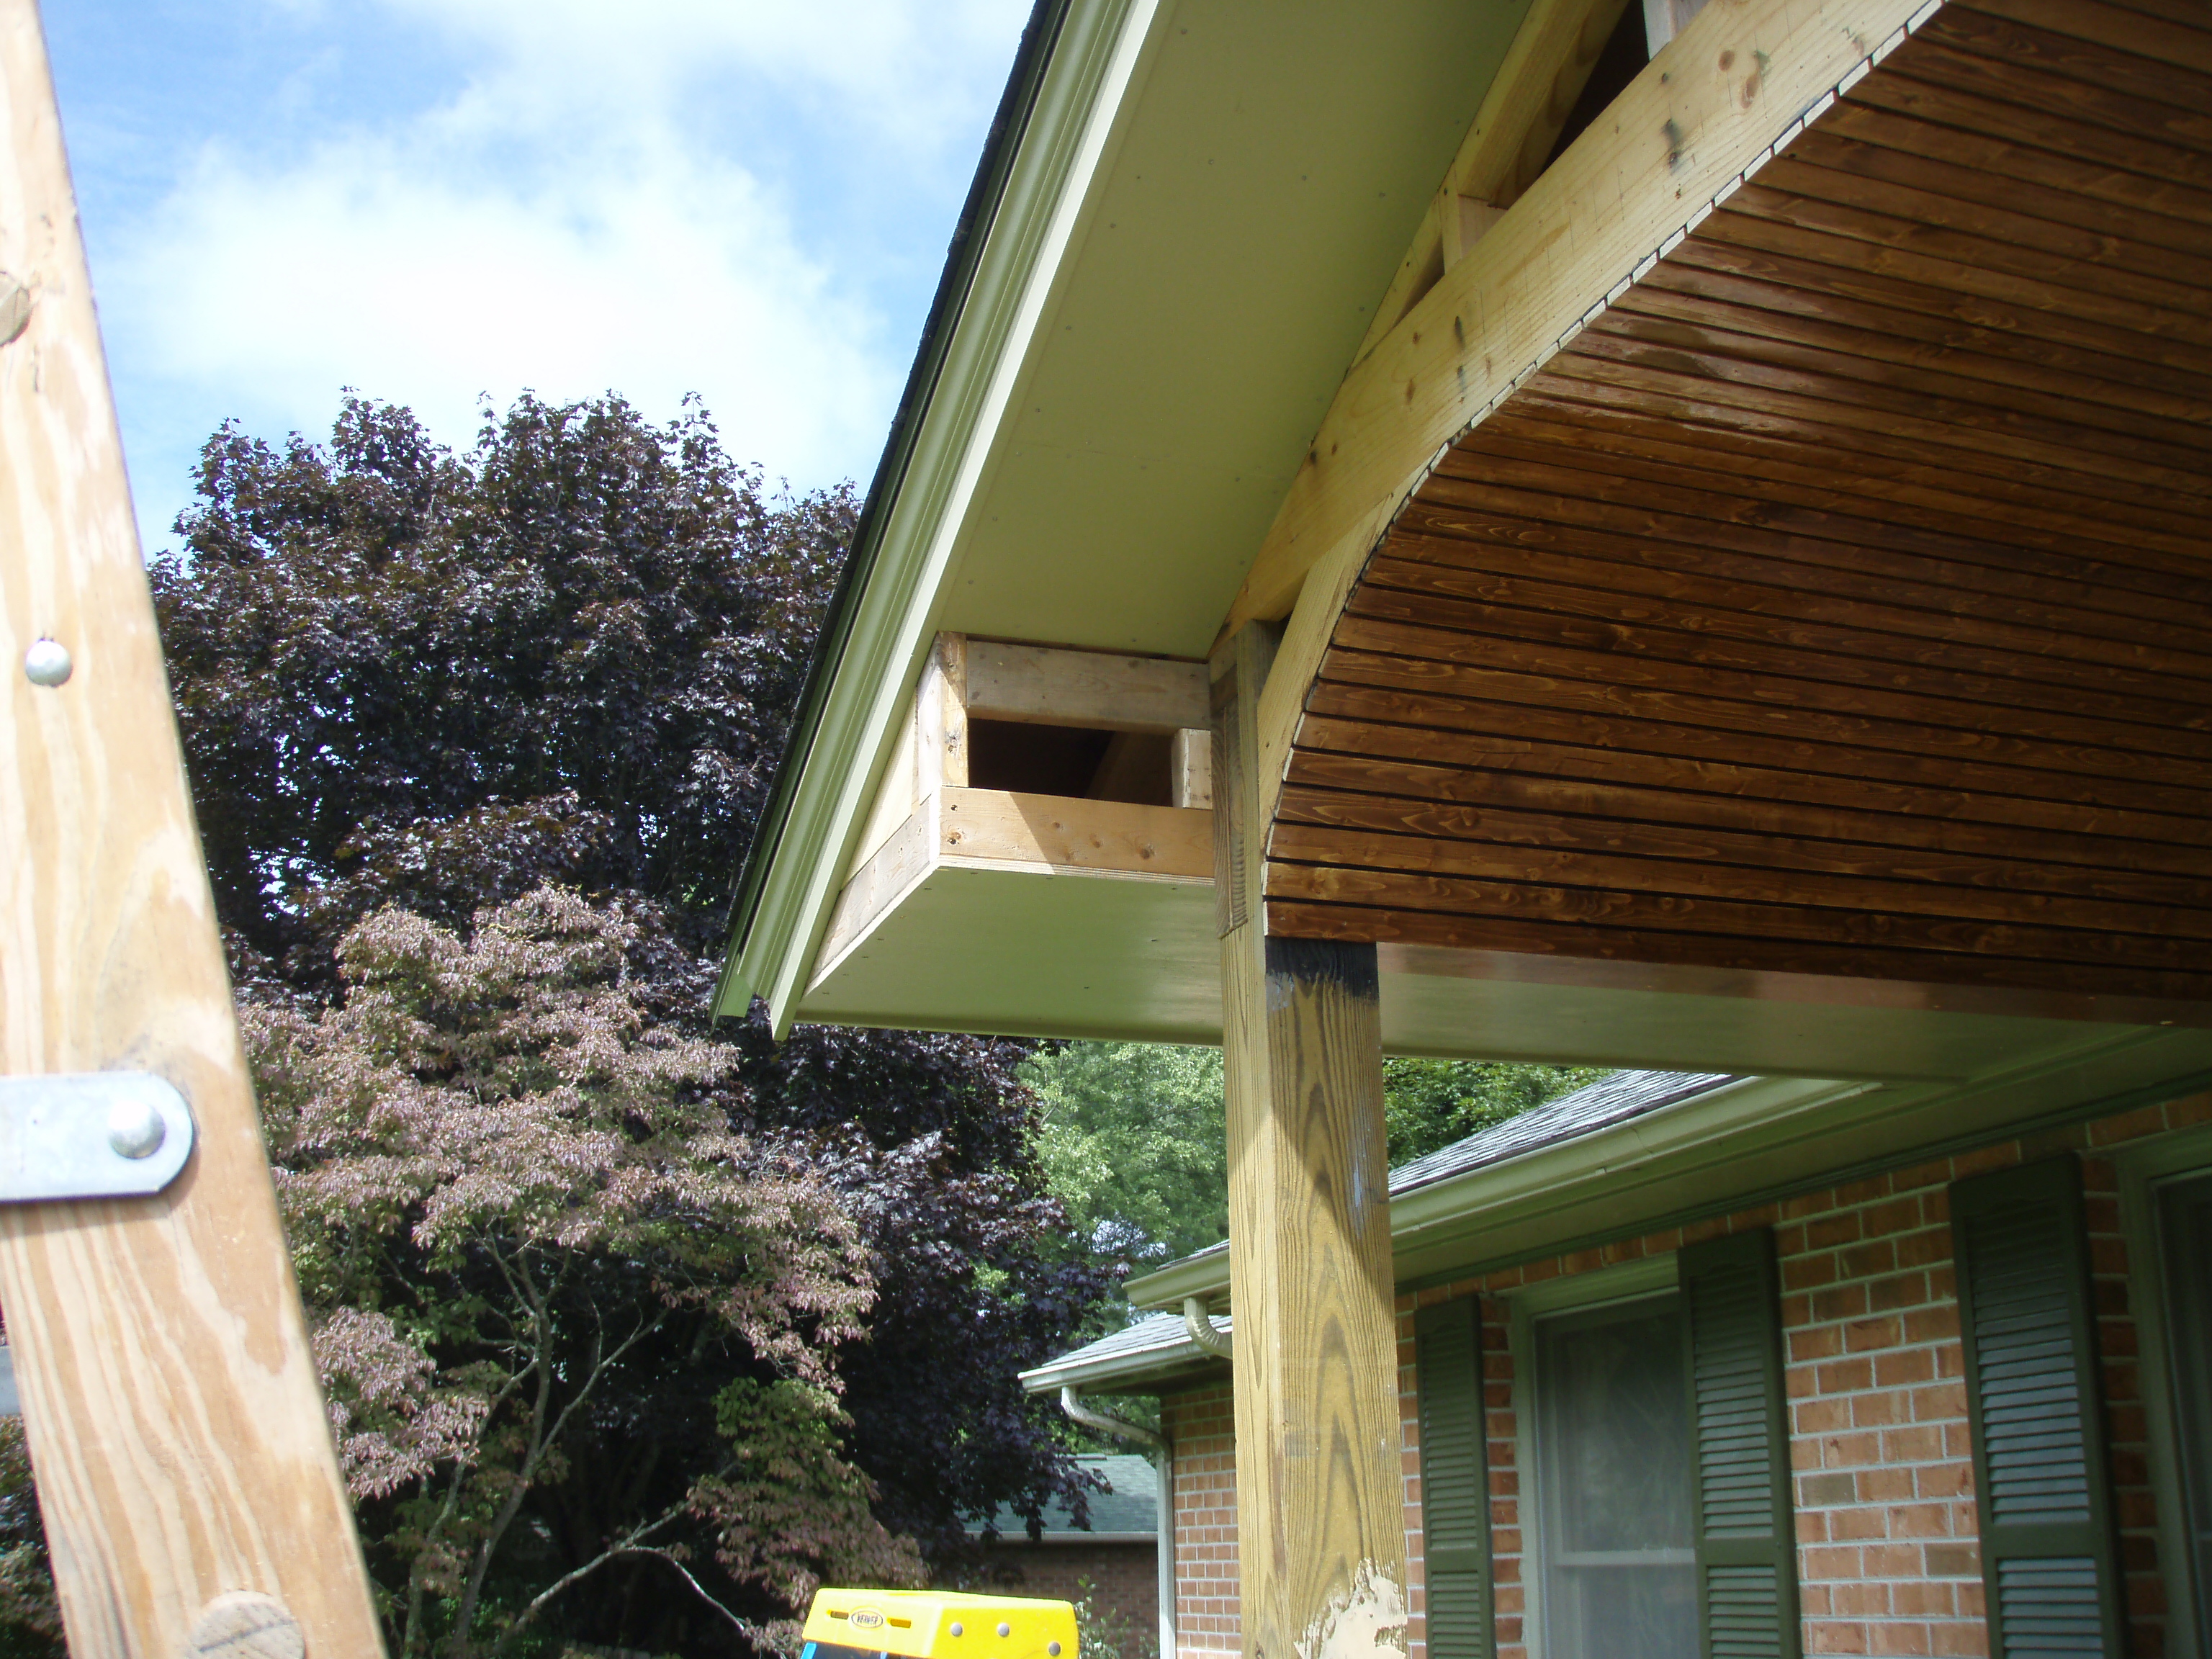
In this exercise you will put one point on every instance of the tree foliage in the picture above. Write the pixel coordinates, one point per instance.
(1131, 1135)
(476, 742)
(507, 1187)
(1429, 1104)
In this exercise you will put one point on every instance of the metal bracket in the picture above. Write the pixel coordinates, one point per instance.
(90, 1135)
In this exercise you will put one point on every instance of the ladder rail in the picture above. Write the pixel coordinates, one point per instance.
(183, 1451)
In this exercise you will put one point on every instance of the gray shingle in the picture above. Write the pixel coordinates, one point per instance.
(1159, 1340)
(1609, 1101)
(1131, 1507)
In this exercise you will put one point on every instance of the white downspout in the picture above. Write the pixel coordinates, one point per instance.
(1199, 1322)
(1070, 1401)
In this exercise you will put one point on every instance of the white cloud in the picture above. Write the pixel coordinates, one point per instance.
(582, 213)
(371, 264)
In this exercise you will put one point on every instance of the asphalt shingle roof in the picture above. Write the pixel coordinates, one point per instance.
(1161, 1339)
(1131, 1507)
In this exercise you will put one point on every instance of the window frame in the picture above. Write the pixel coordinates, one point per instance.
(1639, 1281)
(2143, 1169)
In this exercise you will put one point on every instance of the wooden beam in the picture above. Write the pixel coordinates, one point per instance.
(1321, 1557)
(1051, 686)
(1190, 769)
(940, 719)
(169, 1393)
(1521, 116)
(1535, 89)
(1704, 108)
(1051, 835)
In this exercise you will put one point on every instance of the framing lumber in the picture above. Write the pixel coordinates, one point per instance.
(1529, 100)
(1048, 685)
(1014, 834)
(1706, 106)
(1319, 1499)
(168, 1389)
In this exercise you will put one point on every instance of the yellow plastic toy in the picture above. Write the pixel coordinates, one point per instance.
(864, 1624)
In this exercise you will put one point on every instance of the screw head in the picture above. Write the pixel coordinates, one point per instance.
(135, 1128)
(1006, 1630)
(47, 662)
(959, 1629)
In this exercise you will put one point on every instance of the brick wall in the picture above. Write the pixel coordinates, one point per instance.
(1888, 1557)
(1202, 1425)
(1124, 1578)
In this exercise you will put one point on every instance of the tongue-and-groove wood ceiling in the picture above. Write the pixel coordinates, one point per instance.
(1838, 601)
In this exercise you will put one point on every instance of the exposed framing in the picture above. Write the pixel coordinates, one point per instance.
(1711, 106)
(926, 817)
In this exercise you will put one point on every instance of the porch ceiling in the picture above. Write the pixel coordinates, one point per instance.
(1834, 603)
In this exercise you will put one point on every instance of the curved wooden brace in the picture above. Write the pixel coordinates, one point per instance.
(1709, 104)
(1830, 598)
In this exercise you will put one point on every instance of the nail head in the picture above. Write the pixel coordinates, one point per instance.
(135, 1127)
(47, 663)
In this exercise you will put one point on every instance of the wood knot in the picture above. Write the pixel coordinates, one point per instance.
(245, 1625)
(15, 309)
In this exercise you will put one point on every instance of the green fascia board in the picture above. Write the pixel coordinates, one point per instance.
(1079, 57)
(1732, 1148)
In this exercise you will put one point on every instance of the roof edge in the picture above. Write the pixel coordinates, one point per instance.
(1527, 1179)
(985, 193)
(1040, 141)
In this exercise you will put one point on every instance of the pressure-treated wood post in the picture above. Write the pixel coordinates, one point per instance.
(1320, 1514)
(182, 1451)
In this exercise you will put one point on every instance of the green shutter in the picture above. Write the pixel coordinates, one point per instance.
(1455, 1481)
(1746, 1538)
(2049, 1564)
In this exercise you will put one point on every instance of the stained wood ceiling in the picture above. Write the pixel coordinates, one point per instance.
(1838, 600)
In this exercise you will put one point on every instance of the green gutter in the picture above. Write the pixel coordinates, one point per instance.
(970, 233)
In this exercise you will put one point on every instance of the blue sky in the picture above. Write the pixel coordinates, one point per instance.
(432, 200)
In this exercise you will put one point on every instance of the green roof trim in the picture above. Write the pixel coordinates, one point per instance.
(979, 215)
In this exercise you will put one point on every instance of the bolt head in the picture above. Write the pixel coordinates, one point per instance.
(1006, 1630)
(135, 1128)
(47, 663)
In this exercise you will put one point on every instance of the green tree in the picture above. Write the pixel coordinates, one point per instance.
(1131, 1135)
(507, 1190)
(1430, 1103)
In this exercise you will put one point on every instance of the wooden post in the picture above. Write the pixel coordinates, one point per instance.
(1320, 1493)
(940, 712)
(190, 1490)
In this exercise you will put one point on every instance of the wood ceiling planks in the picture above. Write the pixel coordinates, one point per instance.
(1839, 601)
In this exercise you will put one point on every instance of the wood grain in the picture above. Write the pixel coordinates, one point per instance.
(1053, 833)
(1321, 1559)
(174, 1417)
(1096, 688)
(1718, 95)
(1838, 599)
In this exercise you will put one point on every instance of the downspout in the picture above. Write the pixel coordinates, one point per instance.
(1203, 1331)
(1162, 1453)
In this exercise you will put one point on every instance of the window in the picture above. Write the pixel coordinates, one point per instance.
(2185, 1227)
(1615, 1558)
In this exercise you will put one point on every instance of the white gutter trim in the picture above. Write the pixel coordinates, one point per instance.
(1535, 1178)
(1097, 57)
(1070, 1401)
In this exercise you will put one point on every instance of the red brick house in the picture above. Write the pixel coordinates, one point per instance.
(2066, 1391)
(1113, 1561)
